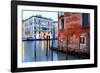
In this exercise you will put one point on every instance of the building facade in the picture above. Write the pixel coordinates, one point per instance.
(37, 27)
(74, 31)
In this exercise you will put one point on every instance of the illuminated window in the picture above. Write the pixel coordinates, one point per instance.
(82, 40)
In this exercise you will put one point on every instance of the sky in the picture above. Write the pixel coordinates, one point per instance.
(52, 15)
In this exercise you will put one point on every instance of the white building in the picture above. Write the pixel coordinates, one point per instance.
(37, 27)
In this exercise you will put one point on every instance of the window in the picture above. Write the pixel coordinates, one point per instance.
(85, 19)
(35, 27)
(44, 28)
(36, 21)
(82, 40)
(62, 23)
(30, 23)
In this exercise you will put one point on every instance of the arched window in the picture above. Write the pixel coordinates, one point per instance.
(82, 40)
(62, 23)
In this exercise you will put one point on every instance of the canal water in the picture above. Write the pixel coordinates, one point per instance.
(39, 50)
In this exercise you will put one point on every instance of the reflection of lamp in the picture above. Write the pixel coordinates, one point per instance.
(48, 34)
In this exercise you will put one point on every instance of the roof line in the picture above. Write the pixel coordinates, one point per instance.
(37, 17)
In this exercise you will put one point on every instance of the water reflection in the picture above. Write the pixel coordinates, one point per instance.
(39, 50)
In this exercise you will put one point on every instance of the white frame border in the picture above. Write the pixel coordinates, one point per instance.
(54, 63)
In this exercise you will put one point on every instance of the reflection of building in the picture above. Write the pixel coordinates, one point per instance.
(37, 27)
(74, 31)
